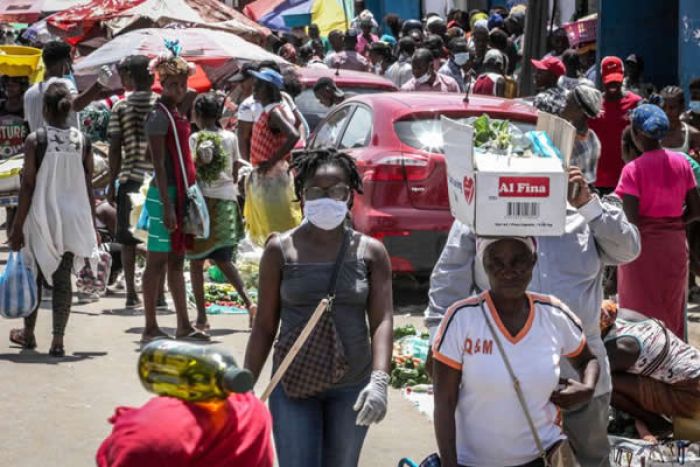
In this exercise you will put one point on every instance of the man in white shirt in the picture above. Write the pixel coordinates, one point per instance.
(58, 68)
(401, 72)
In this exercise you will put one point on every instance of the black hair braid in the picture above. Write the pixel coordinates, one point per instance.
(306, 163)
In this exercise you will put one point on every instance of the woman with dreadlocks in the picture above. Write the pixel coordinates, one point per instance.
(296, 271)
(168, 134)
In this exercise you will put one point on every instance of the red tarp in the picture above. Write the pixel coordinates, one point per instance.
(77, 23)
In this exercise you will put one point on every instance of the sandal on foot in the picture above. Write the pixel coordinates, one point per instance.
(196, 336)
(57, 352)
(198, 326)
(18, 337)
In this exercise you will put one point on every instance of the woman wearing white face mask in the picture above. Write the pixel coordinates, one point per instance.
(295, 271)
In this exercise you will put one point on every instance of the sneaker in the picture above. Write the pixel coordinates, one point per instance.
(162, 303)
(133, 302)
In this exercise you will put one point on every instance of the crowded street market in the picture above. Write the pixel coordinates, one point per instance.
(497, 200)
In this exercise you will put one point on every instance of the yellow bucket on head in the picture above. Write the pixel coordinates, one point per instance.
(17, 60)
(686, 428)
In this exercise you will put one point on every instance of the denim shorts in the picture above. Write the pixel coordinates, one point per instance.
(319, 431)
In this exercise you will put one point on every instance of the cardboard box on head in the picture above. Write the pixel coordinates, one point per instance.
(502, 195)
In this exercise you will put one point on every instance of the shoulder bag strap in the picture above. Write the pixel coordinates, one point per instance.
(177, 144)
(516, 385)
(336, 269)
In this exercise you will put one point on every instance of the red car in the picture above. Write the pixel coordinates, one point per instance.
(397, 142)
(353, 82)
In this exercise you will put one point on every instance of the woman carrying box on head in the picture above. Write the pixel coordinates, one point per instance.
(480, 339)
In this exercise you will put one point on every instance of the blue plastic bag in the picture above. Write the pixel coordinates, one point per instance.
(18, 291)
(542, 145)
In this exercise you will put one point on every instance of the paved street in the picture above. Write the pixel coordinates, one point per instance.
(54, 412)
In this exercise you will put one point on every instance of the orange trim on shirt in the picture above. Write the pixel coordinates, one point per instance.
(526, 328)
(448, 315)
(579, 349)
(447, 361)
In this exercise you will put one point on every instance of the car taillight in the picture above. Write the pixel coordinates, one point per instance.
(398, 167)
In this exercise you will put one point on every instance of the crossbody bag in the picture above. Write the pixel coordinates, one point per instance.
(196, 221)
(321, 361)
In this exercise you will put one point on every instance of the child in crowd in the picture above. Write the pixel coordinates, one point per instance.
(217, 161)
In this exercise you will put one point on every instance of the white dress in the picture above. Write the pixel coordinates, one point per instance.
(60, 217)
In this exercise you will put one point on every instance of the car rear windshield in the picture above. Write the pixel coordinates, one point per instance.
(307, 102)
(426, 133)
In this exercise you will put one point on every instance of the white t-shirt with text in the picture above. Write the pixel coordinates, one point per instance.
(488, 409)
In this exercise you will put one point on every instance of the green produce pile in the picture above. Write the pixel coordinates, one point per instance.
(491, 133)
(407, 369)
(224, 295)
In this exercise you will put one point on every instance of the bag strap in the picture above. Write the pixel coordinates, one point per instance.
(177, 143)
(516, 385)
(338, 266)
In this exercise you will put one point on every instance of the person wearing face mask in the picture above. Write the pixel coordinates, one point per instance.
(400, 71)
(424, 76)
(58, 63)
(459, 57)
(295, 271)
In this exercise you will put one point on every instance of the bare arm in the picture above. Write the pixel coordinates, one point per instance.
(446, 393)
(692, 206)
(93, 93)
(380, 307)
(156, 144)
(268, 317)
(630, 205)
(575, 393)
(115, 163)
(88, 168)
(26, 192)
(245, 133)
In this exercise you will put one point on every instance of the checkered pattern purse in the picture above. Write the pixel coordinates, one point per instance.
(321, 362)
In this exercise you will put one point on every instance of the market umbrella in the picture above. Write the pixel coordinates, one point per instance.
(29, 11)
(284, 14)
(212, 50)
(119, 16)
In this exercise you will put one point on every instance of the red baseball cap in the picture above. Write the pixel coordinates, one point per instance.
(552, 64)
(612, 70)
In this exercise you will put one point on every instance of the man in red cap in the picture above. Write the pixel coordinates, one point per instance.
(609, 126)
(551, 97)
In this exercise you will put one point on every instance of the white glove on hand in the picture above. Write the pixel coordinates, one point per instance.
(372, 401)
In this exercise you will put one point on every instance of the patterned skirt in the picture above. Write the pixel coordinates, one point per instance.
(225, 232)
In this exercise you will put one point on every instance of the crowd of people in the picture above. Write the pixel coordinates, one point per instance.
(531, 306)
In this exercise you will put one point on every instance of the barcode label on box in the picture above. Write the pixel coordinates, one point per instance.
(523, 210)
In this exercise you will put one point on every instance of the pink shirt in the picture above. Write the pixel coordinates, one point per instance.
(660, 179)
(363, 43)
